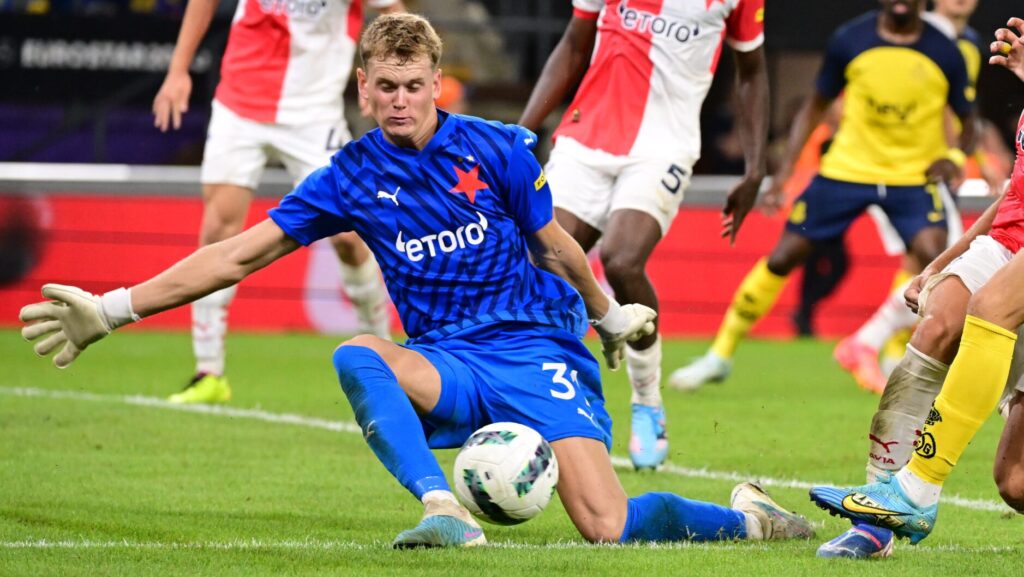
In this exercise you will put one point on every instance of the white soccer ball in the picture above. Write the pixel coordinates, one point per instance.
(505, 473)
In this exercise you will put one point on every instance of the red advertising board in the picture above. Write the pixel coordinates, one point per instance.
(102, 242)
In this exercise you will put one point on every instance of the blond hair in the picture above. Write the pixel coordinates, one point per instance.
(401, 36)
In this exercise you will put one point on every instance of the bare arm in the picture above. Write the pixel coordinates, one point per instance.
(211, 268)
(558, 253)
(810, 116)
(563, 70)
(172, 99)
(752, 94)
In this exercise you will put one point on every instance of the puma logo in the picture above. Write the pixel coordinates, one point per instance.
(884, 444)
(392, 197)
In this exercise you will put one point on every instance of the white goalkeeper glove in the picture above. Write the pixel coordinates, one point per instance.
(622, 324)
(74, 318)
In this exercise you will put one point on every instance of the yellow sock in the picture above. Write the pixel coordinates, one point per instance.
(973, 386)
(755, 297)
(896, 346)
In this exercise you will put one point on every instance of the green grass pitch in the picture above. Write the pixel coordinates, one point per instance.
(97, 480)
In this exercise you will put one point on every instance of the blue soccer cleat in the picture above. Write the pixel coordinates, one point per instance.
(648, 445)
(445, 524)
(882, 504)
(862, 541)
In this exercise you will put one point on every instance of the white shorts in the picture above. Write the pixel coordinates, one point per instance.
(974, 268)
(237, 149)
(592, 184)
(891, 240)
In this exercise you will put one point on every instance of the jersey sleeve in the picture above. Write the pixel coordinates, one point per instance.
(587, 9)
(314, 209)
(832, 76)
(744, 28)
(961, 91)
(529, 196)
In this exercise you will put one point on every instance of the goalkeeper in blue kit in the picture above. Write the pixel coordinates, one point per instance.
(453, 208)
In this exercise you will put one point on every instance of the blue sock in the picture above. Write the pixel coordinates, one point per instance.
(395, 433)
(669, 517)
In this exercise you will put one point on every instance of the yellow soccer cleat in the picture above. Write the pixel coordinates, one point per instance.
(204, 388)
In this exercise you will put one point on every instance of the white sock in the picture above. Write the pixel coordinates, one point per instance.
(209, 325)
(644, 370)
(438, 494)
(890, 317)
(908, 396)
(365, 290)
(920, 492)
(754, 530)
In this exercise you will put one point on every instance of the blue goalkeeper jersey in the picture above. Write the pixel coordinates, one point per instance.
(447, 225)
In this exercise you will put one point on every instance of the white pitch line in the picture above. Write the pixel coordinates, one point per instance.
(349, 427)
(318, 545)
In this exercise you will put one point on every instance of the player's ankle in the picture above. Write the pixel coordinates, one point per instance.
(920, 492)
(438, 494)
(754, 526)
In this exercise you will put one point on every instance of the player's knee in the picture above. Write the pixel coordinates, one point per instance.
(938, 335)
(1011, 488)
(355, 353)
(621, 265)
(601, 528)
(993, 306)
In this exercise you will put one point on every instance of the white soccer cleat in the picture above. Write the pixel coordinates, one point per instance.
(775, 521)
(709, 368)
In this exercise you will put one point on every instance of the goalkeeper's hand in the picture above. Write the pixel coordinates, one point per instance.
(622, 324)
(73, 318)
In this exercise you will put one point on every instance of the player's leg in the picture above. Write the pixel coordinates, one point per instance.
(907, 503)
(391, 388)
(233, 161)
(599, 508)
(916, 381)
(558, 394)
(629, 239)
(824, 211)
(859, 353)
(1009, 463)
(364, 287)
(753, 299)
(645, 200)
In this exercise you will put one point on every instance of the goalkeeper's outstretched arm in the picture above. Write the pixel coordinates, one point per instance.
(212, 268)
(72, 319)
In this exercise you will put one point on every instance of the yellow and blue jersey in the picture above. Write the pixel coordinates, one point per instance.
(448, 225)
(969, 44)
(894, 99)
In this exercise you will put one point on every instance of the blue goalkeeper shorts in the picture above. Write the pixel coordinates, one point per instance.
(828, 207)
(535, 375)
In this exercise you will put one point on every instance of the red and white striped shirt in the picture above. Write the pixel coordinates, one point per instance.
(287, 61)
(652, 66)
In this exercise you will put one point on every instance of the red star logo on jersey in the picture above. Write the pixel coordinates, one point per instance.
(469, 183)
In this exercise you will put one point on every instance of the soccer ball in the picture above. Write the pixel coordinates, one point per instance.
(505, 473)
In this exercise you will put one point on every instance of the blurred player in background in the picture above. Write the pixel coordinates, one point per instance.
(279, 97)
(897, 74)
(888, 330)
(969, 296)
(493, 336)
(625, 149)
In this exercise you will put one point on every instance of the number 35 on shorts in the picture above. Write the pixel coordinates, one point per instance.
(564, 388)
